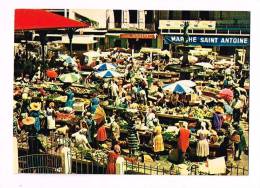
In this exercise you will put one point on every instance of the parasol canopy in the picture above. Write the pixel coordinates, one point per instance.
(192, 59)
(36, 19)
(177, 88)
(226, 94)
(99, 115)
(108, 74)
(105, 66)
(92, 54)
(205, 65)
(69, 77)
(51, 73)
(70, 61)
(187, 83)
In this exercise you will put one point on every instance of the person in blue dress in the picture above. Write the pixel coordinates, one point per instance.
(94, 104)
(35, 112)
(70, 99)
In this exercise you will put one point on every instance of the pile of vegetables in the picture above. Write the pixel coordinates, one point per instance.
(64, 117)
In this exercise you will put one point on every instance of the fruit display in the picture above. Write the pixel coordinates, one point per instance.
(83, 100)
(210, 91)
(53, 96)
(133, 106)
(170, 137)
(104, 103)
(80, 90)
(197, 113)
(53, 87)
(64, 117)
(99, 156)
(173, 137)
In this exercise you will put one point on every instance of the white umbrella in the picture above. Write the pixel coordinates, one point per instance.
(177, 88)
(105, 66)
(108, 74)
(187, 83)
(224, 62)
(69, 77)
(205, 65)
(92, 54)
(192, 59)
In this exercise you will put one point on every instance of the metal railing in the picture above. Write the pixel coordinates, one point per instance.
(40, 163)
(81, 163)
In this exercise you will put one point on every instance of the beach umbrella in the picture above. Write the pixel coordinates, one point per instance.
(69, 77)
(51, 73)
(205, 65)
(70, 61)
(192, 59)
(105, 66)
(92, 54)
(226, 94)
(99, 115)
(108, 74)
(187, 83)
(177, 88)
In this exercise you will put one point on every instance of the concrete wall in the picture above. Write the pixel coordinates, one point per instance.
(96, 15)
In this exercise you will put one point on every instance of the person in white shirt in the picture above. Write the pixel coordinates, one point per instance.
(81, 139)
(150, 116)
(114, 89)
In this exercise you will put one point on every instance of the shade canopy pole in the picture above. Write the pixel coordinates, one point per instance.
(43, 40)
(71, 31)
(26, 36)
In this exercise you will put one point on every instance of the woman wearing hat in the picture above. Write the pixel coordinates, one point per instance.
(50, 112)
(158, 144)
(112, 157)
(35, 112)
(202, 149)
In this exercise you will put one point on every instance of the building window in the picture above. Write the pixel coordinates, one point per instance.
(204, 15)
(117, 18)
(186, 15)
(171, 15)
(133, 16)
(148, 16)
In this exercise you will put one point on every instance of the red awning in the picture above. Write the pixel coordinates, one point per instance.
(36, 19)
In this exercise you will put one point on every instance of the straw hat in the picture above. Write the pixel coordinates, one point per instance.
(128, 97)
(219, 109)
(185, 124)
(158, 129)
(51, 104)
(28, 121)
(35, 106)
(26, 90)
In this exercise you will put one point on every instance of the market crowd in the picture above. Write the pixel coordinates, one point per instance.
(135, 123)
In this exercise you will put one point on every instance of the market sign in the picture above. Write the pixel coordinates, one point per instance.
(138, 36)
(208, 40)
(193, 24)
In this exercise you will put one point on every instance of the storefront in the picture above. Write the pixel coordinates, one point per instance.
(225, 45)
(138, 40)
(113, 40)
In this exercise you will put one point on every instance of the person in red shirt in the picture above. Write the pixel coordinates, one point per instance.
(112, 157)
(101, 134)
(183, 141)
